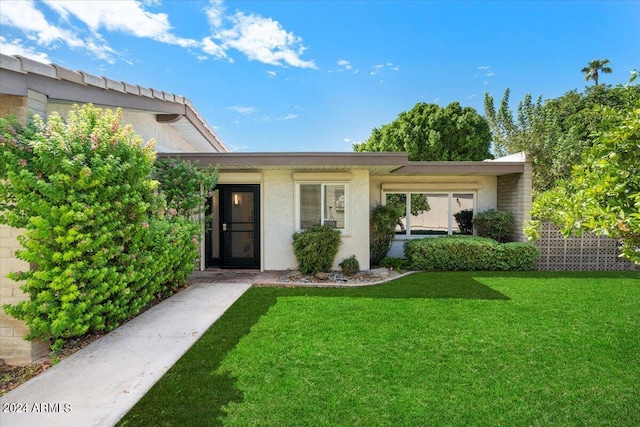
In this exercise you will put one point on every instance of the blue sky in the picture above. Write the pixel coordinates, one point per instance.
(320, 75)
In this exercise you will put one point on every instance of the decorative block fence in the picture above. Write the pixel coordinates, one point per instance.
(588, 252)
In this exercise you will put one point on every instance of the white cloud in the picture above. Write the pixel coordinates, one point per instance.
(487, 71)
(271, 74)
(264, 40)
(215, 13)
(242, 110)
(345, 64)
(24, 16)
(347, 140)
(259, 38)
(376, 69)
(126, 16)
(214, 49)
(15, 47)
(289, 117)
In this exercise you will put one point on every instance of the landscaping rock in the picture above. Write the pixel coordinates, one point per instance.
(337, 277)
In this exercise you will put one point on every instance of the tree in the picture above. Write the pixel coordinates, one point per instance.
(602, 195)
(554, 131)
(429, 132)
(508, 135)
(594, 68)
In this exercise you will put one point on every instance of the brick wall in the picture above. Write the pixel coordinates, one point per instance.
(588, 252)
(514, 195)
(13, 348)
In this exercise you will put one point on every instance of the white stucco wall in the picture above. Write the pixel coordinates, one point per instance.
(168, 140)
(279, 223)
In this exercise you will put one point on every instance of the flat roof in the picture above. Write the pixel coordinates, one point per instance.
(378, 163)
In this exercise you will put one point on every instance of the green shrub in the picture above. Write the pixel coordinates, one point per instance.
(316, 248)
(464, 219)
(382, 230)
(398, 264)
(96, 230)
(185, 185)
(350, 266)
(516, 256)
(469, 253)
(493, 224)
(450, 253)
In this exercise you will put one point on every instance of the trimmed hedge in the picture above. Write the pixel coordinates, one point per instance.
(516, 256)
(316, 248)
(464, 253)
(493, 224)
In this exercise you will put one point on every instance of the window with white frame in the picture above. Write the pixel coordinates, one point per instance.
(320, 203)
(433, 213)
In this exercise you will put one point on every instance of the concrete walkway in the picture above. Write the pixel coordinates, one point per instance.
(97, 385)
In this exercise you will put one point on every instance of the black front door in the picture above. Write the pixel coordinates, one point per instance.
(234, 239)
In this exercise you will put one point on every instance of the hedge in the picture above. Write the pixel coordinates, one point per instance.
(96, 226)
(316, 248)
(464, 253)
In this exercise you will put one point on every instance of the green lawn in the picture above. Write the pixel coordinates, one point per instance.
(471, 348)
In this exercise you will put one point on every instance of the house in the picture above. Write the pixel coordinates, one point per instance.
(263, 198)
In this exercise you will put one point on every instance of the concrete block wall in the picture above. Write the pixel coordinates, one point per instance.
(514, 195)
(13, 348)
(585, 253)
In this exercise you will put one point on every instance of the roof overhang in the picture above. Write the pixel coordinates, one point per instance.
(18, 75)
(386, 163)
(461, 168)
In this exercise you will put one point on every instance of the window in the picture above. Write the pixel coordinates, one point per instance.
(433, 214)
(322, 203)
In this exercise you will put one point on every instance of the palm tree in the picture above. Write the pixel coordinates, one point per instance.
(597, 65)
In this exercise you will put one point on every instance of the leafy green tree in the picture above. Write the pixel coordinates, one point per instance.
(555, 131)
(595, 67)
(429, 132)
(184, 185)
(602, 194)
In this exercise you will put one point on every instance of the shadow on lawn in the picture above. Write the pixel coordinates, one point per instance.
(205, 406)
(178, 400)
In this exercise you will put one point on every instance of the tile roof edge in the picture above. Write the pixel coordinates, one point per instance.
(23, 65)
